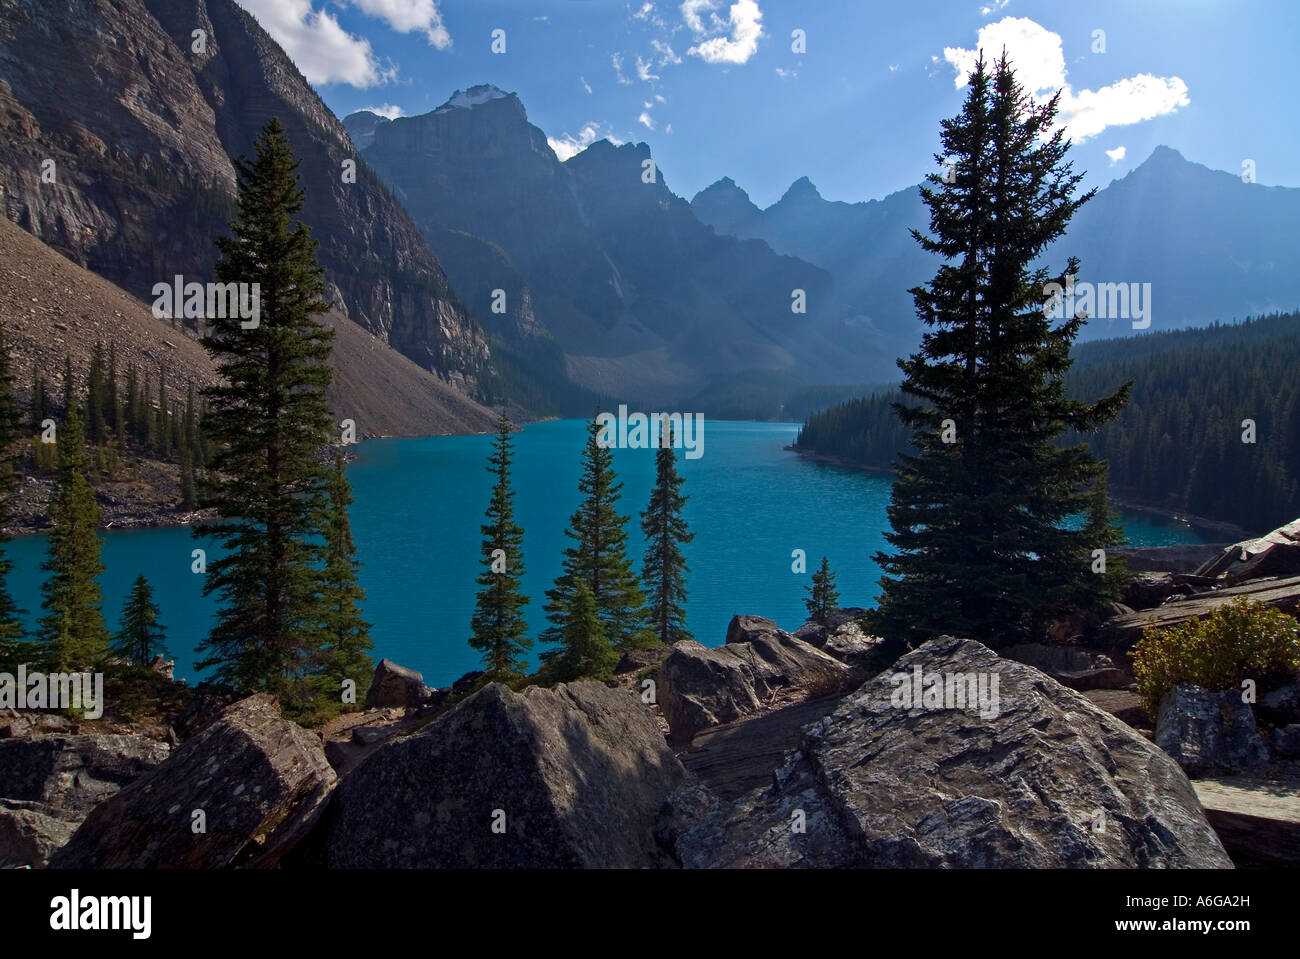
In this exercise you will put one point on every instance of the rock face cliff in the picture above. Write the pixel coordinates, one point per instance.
(121, 159)
(644, 299)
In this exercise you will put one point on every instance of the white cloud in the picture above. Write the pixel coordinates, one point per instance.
(1117, 154)
(787, 74)
(666, 55)
(893, 68)
(659, 98)
(643, 70)
(410, 16)
(387, 110)
(585, 85)
(318, 46)
(994, 7)
(647, 14)
(733, 40)
(1039, 61)
(569, 146)
(646, 120)
(617, 60)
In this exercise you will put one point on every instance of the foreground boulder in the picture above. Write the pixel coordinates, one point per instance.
(1209, 733)
(758, 669)
(49, 783)
(565, 777)
(1043, 780)
(395, 685)
(259, 781)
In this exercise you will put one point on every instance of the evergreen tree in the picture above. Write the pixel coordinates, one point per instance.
(96, 395)
(131, 405)
(978, 511)
(142, 636)
(112, 396)
(665, 530)
(823, 598)
(69, 392)
(500, 630)
(73, 627)
(11, 430)
(145, 423)
(586, 651)
(346, 641)
(189, 496)
(40, 402)
(267, 420)
(162, 421)
(599, 555)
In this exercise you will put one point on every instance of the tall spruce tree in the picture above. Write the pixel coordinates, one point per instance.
(267, 421)
(979, 513)
(665, 569)
(585, 649)
(346, 645)
(598, 556)
(73, 627)
(500, 630)
(11, 432)
(141, 636)
(823, 598)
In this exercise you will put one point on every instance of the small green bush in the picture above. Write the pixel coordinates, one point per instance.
(1244, 639)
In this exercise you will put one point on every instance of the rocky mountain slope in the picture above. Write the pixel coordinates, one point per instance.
(53, 309)
(139, 140)
(644, 300)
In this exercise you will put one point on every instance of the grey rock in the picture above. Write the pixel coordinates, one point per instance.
(1281, 706)
(259, 779)
(701, 687)
(579, 773)
(396, 686)
(73, 774)
(1209, 733)
(1050, 781)
(1286, 741)
(29, 834)
(369, 735)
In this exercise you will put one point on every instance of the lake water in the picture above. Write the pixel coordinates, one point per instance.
(420, 502)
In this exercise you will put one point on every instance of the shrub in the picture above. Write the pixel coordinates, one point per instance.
(1244, 639)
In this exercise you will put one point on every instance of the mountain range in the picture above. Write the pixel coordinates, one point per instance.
(465, 244)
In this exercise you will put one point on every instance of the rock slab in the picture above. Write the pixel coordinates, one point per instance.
(1050, 781)
(547, 778)
(1209, 733)
(259, 779)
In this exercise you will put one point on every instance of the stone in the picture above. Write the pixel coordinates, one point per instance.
(260, 780)
(395, 685)
(29, 835)
(1281, 706)
(1050, 781)
(1209, 733)
(701, 687)
(1286, 741)
(369, 735)
(578, 774)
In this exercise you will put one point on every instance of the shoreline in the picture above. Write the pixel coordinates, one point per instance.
(1203, 525)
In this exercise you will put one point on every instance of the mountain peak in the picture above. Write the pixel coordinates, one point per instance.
(474, 96)
(1164, 156)
(802, 189)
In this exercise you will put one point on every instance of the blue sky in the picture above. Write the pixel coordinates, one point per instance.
(716, 88)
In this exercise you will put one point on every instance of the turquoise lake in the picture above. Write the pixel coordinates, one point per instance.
(419, 504)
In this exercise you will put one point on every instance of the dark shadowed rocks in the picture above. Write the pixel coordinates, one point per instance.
(761, 667)
(259, 780)
(570, 777)
(1074, 666)
(395, 685)
(1049, 781)
(49, 783)
(1209, 733)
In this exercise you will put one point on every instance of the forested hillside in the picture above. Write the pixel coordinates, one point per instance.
(1181, 443)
